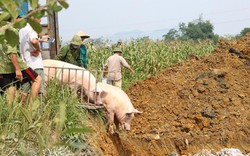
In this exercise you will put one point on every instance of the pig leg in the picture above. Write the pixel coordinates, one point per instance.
(117, 124)
(110, 122)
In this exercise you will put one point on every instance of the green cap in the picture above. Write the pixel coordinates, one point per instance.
(117, 50)
(76, 40)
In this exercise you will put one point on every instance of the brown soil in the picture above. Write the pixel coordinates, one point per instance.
(203, 103)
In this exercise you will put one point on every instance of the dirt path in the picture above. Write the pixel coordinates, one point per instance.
(203, 103)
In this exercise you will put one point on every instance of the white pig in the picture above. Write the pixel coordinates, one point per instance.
(76, 77)
(118, 105)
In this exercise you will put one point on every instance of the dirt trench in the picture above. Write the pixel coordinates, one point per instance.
(202, 103)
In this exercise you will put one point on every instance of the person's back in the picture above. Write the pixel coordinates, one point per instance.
(70, 55)
(114, 64)
(26, 35)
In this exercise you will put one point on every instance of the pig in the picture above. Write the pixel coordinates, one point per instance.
(118, 105)
(76, 77)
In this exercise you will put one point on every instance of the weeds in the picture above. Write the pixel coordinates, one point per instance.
(53, 120)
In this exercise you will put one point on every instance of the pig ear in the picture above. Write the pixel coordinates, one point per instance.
(137, 112)
(128, 114)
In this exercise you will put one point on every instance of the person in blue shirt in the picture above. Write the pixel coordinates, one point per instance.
(83, 49)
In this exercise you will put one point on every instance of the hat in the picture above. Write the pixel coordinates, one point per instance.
(76, 40)
(83, 34)
(117, 50)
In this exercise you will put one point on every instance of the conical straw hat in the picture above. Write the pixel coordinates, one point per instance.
(82, 34)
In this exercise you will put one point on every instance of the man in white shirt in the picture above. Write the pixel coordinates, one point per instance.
(31, 52)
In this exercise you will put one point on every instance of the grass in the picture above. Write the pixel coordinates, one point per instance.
(56, 119)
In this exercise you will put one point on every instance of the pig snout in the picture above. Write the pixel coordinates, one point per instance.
(99, 102)
(126, 126)
(127, 120)
(98, 99)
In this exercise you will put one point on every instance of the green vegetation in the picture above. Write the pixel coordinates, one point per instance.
(243, 32)
(57, 119)
(148, 57)
(195, 30)
(9, 24)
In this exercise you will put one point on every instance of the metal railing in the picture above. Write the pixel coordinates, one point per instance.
(70, 77)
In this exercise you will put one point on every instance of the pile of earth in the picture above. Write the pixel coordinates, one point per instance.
(202, 103)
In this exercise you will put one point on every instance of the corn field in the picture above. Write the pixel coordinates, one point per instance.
(148, 57)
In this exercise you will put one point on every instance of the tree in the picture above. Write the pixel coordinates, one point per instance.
(195, 30)
(9, 23)
(244, 31)
(171, 35)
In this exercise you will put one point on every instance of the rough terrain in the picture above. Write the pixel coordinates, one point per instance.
(202, 103)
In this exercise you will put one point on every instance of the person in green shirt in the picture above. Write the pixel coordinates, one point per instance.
(71, 53)
(83, 49)
(14, 73)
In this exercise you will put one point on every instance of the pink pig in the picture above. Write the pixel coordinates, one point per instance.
(75, 76)
(119, 107)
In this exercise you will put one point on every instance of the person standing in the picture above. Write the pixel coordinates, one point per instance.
(15, 72)
(31, 52)
(43, 39)
(113, 65)
(119, 43)
(83, 49)
(71, 53)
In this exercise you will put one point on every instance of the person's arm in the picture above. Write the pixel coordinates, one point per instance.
(35, 43)
(13, 58)
(105, 66)
(33, 38)
(105, 69)
(62, 54)
(44, 38)
(125, 64)
(131, 70)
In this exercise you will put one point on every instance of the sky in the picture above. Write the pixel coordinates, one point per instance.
(107, 18)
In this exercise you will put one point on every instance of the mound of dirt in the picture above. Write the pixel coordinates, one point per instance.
(242, 44)
(203, 103)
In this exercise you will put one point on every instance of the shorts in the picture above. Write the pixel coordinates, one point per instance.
(26, 86)
(8, 80)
